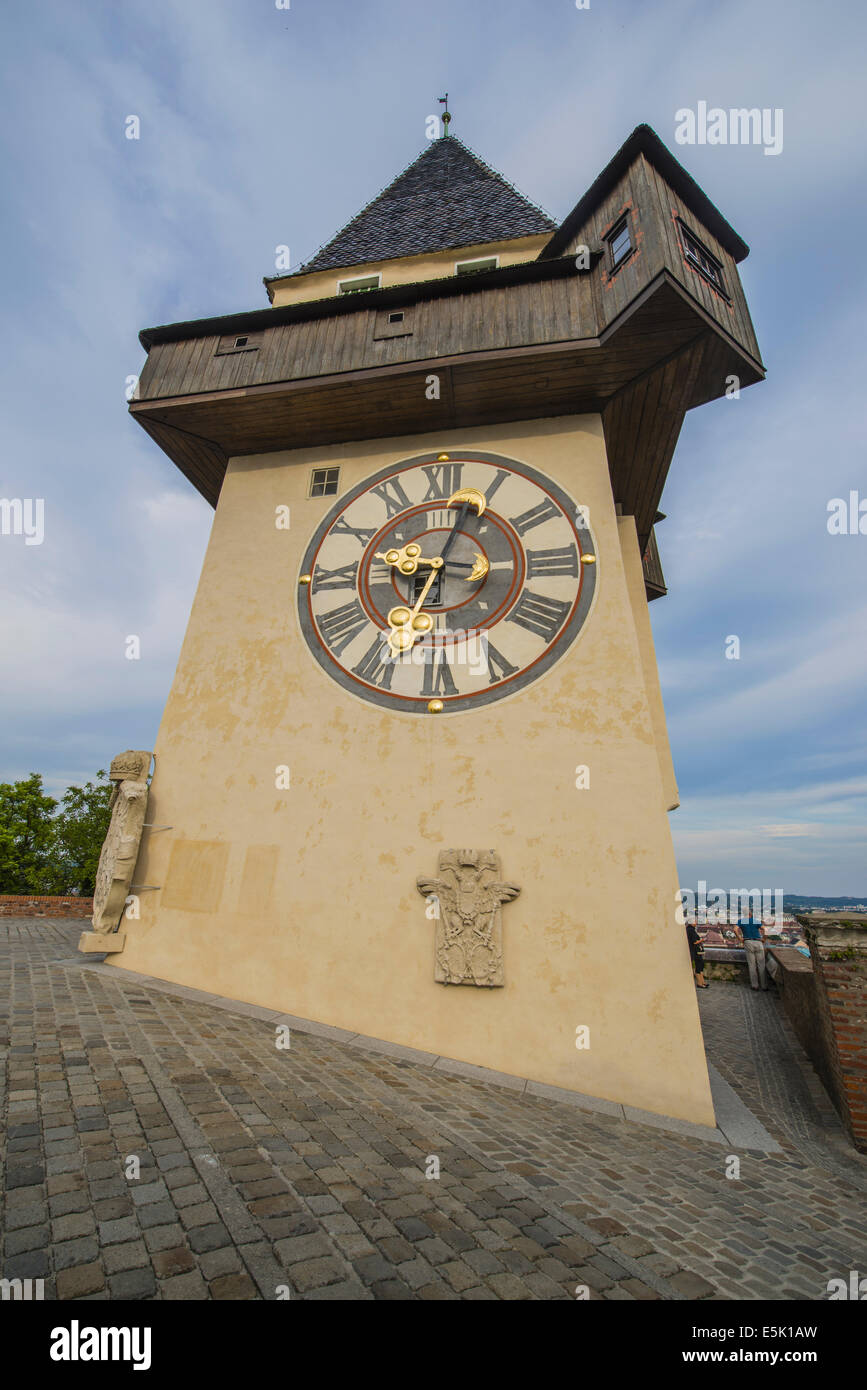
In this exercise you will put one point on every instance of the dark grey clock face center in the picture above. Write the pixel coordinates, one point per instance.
(512, 592)
(460, 601)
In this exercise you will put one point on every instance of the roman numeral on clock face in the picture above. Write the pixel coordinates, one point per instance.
(535, 612)
(499, 477)
(563, 560)
(436, 521)
(362, 534)
(443, 479)
(498, 666)
(438, 676)
(393, 496)
(341, 625)
(373, 667)
(342, 578)
(544, 511)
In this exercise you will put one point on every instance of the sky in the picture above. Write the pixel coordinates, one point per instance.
(262, 126)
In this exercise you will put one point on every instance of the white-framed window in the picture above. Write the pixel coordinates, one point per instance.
(478, 263)
(359, 283)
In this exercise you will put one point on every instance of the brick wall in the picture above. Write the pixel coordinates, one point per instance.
(11, 906)
(838, 948)
(795, 979)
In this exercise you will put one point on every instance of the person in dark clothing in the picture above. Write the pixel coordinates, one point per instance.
(696, 951)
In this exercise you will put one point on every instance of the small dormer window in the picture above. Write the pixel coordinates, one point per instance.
(479, 263)
(619, 243)
(241, 342)
(359, 283)
(698, 256)
(395, 318)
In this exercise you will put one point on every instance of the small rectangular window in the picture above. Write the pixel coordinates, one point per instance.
(433, 597)
(359, 283)
(245, 342)
(392, 323)
(480, 263)
(619, 243)
(323, 482)
(701, 259)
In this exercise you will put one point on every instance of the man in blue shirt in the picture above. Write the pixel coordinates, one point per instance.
(753, 934)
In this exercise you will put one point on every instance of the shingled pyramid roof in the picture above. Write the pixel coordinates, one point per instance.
(447, 197)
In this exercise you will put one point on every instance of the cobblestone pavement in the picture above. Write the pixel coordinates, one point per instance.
(304, 1170)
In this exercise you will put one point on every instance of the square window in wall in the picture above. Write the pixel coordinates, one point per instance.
(323, 482)
(619, 242)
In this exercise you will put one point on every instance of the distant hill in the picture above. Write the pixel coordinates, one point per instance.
(801, 900)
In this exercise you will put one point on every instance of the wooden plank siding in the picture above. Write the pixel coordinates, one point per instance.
(660, 357)
(654, 208)
(642, 423)
(495, 318)
(654, 579)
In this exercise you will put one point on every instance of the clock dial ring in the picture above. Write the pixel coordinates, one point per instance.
(541, 626)
(505, 548)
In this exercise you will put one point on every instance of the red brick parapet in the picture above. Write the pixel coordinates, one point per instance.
(49, 906)
(838, 948)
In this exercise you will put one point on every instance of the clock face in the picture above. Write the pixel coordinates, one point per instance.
(456, 578)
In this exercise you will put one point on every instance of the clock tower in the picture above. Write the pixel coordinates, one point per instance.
(413, 770)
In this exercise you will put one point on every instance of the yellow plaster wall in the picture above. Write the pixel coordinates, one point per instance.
(404, 270)
(338, 932)
(634, 571)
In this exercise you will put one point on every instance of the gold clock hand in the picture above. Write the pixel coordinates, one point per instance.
(467, 497)
(435, 565)
(409, 624)
(406, 560)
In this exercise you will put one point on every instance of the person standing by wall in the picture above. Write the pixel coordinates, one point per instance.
(696, 951)
(753, 934)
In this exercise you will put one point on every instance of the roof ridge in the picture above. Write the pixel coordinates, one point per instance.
(644, 140)
(497, 175)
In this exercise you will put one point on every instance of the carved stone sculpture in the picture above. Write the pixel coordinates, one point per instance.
(469, 895)
(128, 805)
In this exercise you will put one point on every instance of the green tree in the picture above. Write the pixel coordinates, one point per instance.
(26, 836)
(80, 827)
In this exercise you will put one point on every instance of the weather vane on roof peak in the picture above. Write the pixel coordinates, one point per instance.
(447, 115)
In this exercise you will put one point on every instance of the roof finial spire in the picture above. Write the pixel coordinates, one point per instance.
(447, 115)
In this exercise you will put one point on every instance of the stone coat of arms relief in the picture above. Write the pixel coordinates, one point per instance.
(469, 895)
